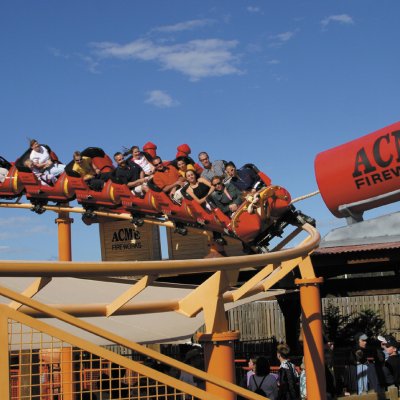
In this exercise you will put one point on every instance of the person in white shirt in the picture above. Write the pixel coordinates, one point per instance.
(140, 159)
(42, 161)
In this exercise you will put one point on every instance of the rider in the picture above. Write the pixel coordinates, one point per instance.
(246, 180)
(40, 156)
(226, 197)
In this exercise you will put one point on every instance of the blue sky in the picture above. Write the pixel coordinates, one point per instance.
(268, 82)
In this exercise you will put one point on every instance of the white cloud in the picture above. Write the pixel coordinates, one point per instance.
(253, 9)
(15, 221)
(281, 38)
(273, 62)
(91, 64)
(184, 26)
(17, 227)
(58, 53)
(197, 58)
(341, 19)
(160, 99)
(5, 249)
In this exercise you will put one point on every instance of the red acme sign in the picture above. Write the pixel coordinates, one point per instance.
(363, 173)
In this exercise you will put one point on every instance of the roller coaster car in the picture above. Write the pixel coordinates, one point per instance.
(260, 218)
(157, 204)
(263, 215)
(11, 187)
(265, 179)
(259, 213)
(131, 202)
(36, 191)
(87, 196)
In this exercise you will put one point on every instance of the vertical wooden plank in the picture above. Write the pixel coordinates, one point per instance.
(4, 364)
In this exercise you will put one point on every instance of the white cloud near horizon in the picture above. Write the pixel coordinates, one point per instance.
(341, 19)
(184, 26)
(161, 99)
(5, 249)
(196, 59)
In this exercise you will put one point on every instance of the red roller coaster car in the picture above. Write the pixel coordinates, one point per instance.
(260, 217)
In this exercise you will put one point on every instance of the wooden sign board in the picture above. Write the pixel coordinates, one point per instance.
(195, 245)
(121, 242)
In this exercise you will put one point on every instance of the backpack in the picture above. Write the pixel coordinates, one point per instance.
(289, 382)
(258, 387)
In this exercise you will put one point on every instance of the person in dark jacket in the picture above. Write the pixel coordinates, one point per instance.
(288, 378)
(360, 343)
(392, 364)
(227, 198)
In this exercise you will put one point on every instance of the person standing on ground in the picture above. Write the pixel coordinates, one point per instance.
(262, 381)
(288, 378)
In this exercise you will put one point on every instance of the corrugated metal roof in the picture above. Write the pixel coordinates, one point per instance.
(367, 235)
(357, 248)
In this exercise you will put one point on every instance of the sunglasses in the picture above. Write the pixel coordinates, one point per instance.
(157, 165)
(217, 183)
(78, 160)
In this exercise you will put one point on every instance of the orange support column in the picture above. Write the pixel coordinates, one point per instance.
(312, 336)
(64, 236)
(67, 374)
(219, 357)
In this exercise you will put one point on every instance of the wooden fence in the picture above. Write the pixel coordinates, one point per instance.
(391, 394)
(262, 320)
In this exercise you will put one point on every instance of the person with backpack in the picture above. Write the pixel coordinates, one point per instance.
(263, 382)
(288, 381)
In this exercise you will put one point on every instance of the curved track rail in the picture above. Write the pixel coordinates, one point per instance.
(219, 288)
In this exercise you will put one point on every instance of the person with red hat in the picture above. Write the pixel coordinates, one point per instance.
(151, 149)
(183, 151)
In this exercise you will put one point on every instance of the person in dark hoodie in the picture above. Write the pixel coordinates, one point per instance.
(360, 340)
(392, 364)
(360, 375)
